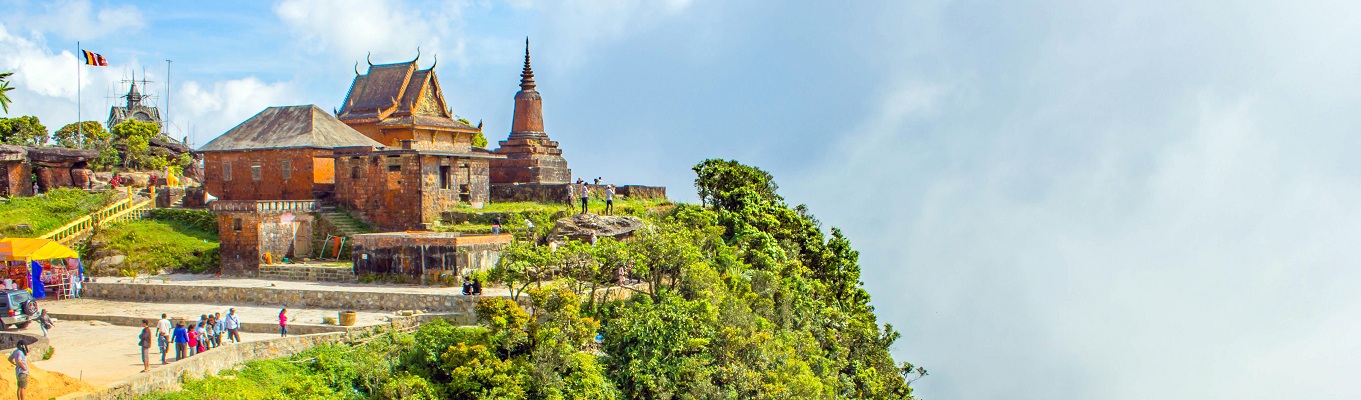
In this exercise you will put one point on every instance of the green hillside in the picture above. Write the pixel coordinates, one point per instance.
(33, 216)
(741, 297)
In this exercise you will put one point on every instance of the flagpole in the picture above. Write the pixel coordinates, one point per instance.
(79, 133)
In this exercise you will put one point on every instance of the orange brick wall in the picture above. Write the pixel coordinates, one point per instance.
(272, 185)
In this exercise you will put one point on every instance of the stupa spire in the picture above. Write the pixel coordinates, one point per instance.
(527, 76)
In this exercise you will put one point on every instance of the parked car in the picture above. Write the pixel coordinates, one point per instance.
(17, 308)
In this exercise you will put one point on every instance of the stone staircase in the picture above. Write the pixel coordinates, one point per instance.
(342, 223)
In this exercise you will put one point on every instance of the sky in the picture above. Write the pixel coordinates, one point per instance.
(1052, 199)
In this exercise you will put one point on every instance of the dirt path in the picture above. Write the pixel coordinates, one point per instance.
(99, 353)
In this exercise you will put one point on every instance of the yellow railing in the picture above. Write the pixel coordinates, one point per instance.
(122, 210)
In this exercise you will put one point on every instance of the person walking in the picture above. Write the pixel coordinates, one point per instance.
(233, 325)
(181, 338)
(144, 342)
(221, 328)
(283, 322)
(585, 196)
(201, 332)
(44, 321)
(571, 198)
(163, 332)
(191, 335)
(20, 360)
(609, 200)
(496, 225)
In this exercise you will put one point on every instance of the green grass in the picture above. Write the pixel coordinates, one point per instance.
(47, 211)
(155, 245)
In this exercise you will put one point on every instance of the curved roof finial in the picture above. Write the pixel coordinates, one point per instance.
(418, 54)
(356, 68)
(432, 66)
(370, 58)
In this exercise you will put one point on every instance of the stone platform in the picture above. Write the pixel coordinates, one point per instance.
(280, 294)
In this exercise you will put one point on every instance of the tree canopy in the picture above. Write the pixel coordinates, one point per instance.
(4, 91)
(23, 131)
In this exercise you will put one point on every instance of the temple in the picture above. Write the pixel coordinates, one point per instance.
(429, 165)
(134, 109)
(530, 156)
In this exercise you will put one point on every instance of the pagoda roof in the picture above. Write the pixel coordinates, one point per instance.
(304, 126)
(399, 94)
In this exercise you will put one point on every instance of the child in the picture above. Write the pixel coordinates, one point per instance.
(283, 322)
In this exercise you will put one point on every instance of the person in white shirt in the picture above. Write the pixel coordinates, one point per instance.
(233, 324)
(163, 328)
(609, 200)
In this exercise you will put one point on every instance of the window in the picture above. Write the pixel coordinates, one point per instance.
(288, 170)
(226, 170)
(255, 172)
(354, 172)
(444, 177)
(236, 224)
(394, 164)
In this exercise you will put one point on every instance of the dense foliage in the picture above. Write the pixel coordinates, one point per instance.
(742, 298)
(22, 131)
(33, 216)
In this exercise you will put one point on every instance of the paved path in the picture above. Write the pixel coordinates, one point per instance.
(247, 314)
(209, 280)
(100, 353)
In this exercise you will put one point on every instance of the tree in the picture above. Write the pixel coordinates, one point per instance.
(82, 135)
(136, 137)
(719, 180)
(22, 131)
(4, 90)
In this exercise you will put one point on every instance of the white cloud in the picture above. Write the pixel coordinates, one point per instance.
(78, 19)
(45, 81)
(578, 26)
(217, 107)
(390, 29)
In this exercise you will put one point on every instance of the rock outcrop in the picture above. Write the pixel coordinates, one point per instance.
(584, 226)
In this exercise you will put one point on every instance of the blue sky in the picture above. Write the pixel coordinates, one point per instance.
(1053, 199)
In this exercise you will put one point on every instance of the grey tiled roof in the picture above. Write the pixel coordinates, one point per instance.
(305, 126)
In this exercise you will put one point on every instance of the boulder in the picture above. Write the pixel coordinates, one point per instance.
(583, 226)
(109, 265)
(135, 179)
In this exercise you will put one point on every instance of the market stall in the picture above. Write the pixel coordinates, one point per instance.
(44, 267)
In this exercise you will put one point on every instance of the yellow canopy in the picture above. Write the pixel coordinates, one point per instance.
(14, 249)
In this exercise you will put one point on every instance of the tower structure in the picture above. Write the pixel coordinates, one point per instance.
(134, 109)
(530, 156)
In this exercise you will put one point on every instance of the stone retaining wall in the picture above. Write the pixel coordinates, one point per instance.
(169, 378)
(313, 273)
(296, 298)
(557, 192)
(37, 344)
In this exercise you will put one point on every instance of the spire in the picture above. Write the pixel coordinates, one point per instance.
(134, 97)
(527, 77)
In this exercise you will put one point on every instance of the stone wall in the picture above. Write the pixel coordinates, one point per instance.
(169, 377)
(557, 192)
(272, 183)
(415, 255)
(37, 344)
(266, 296)
(312, 273)
(404, 190)
(245, 237)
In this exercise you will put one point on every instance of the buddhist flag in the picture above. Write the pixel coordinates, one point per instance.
(94, 59)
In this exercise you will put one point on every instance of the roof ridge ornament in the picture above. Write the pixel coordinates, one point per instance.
(369, 58)
(356, 68)
(432, 66)
(418, 55)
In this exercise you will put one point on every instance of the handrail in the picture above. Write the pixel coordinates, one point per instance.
(121, 210)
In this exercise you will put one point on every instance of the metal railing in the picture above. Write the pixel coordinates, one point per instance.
(119, 211)
(266, 205)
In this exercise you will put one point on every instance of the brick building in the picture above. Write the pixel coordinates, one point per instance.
(530, 156)
(15, 173)
(429, 165)
(281, 153)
